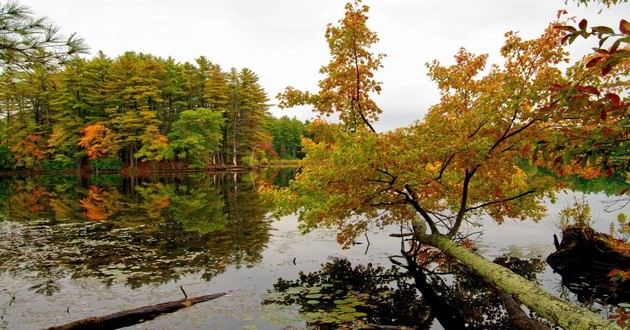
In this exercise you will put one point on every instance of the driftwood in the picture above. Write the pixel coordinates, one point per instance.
(134, 316)
(584, 258)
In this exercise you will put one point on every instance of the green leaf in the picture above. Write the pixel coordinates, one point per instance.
(603, 30)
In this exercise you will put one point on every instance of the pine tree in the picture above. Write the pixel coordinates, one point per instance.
(26, 40)
(216, 95)
(252, 131)
(174, 93)
(70, 109)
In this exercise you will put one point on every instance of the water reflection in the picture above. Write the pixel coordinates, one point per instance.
(129, 230)
(93, 239)
(373, 297)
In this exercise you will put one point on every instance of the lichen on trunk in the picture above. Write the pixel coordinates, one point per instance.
(554, 309)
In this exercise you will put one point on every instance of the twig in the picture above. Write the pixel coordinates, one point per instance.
(184, 292)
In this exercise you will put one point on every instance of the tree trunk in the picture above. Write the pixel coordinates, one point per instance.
(518, 318)
(552, 308)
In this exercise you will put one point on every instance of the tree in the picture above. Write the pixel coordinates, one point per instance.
(25, 39)
(246, 115)
(133, 89)
(217, 96)
(461, 161)
(349, 75)
(99, 141)
(216, 90)
(197, 135)
(154, 144)
(252, 115)
(174, 93)
(197, 77)
(70, 110)
(286, 136)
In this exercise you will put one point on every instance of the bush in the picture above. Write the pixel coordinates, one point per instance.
(106, 164)
(7, 162)
(57, 164)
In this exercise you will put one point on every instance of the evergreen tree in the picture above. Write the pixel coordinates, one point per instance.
(71, 109)
(247, 115)
(26, 40)
(174, 93)
(125, 107)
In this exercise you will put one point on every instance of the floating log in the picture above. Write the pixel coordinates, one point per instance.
(584, 258)
(134, 316)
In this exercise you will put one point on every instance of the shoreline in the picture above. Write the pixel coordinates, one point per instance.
(143, 171)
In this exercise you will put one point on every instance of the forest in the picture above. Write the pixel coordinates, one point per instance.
(507, 138)
(103, 113)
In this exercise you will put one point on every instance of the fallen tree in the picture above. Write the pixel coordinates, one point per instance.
(449, 314)
(134, 316)
(552, 308)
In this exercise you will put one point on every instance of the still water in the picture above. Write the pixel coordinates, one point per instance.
(73, 247)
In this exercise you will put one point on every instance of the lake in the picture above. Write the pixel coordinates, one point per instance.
(74, 247)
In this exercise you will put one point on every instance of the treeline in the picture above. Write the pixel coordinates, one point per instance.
(287, 134)
(138, 108)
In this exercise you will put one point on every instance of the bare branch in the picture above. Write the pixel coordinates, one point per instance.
(501, 201)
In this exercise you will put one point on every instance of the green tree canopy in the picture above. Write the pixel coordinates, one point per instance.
(196, 135)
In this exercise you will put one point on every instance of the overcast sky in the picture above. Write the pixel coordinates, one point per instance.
(283, 40)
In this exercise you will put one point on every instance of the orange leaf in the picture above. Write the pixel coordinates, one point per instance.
(583, 24)
(587, 89)
(614, 99)
(593, 62)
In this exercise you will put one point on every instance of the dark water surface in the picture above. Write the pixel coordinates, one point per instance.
(77, 247)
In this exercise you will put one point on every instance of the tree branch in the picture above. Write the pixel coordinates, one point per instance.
(356, 98)
(409, 195)
(501, 201)
(462, 204)
(445, 163)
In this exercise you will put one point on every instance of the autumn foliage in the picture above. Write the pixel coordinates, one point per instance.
(98, 140)
(349, 76)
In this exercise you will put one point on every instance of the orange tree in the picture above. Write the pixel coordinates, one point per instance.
(99, 141)
(459, 162)
(349, 76)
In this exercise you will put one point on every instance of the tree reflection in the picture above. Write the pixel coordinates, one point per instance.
(368, 297)
(136, 232)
